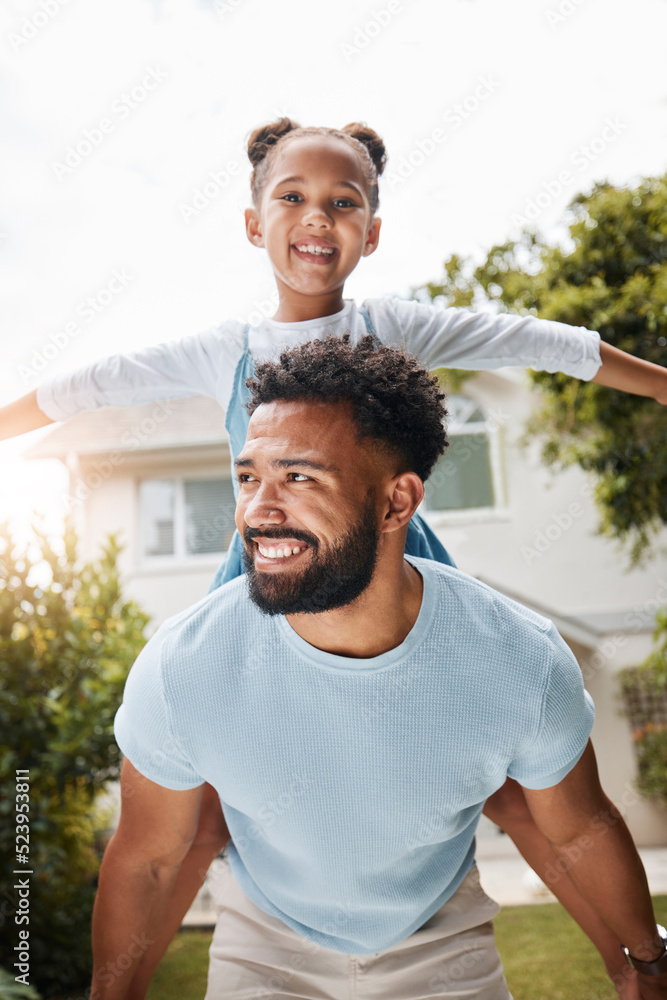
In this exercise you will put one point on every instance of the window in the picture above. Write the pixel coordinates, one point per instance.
(185, 518)
(464, 478)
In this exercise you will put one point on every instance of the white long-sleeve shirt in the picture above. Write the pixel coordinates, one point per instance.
(205, 363)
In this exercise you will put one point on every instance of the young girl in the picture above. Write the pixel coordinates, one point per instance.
(315, 201)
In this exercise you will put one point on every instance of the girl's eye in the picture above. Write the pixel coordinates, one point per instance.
(346, 203)
(289, 197)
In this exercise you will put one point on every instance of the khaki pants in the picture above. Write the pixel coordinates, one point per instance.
(255, 956)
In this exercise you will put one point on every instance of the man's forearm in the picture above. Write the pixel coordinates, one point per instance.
(190, 878)
(629, 374)
(603, 863)
(131, 900)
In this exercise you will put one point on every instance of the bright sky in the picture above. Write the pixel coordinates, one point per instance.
(158, 95)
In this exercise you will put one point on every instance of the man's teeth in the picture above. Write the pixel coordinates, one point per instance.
(307, 248)
(281, 552)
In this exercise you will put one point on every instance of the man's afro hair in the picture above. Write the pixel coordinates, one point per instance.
(394, 400)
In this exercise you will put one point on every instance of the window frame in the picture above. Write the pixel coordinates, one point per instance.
(180, 556)
(499, 511)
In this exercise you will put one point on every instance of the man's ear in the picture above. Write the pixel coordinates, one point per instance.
(372, 238)
(253, 227)
(407, 492)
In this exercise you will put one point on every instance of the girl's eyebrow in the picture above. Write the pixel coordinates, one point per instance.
(301, 180)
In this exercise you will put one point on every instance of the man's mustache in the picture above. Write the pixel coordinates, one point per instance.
(300, 536)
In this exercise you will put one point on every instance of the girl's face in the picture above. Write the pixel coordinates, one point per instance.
(314, 220)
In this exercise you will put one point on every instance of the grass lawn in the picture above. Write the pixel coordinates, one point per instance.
(546, 957)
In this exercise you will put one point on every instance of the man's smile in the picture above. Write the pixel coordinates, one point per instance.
(271, 552)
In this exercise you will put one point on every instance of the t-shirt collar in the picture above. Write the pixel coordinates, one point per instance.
(351, 664)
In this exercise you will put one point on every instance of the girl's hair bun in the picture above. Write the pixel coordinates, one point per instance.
(262, 139)
(371, 140)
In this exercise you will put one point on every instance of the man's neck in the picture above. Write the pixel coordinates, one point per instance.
(379, 620)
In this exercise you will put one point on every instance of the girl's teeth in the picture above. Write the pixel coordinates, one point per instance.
(313, 249)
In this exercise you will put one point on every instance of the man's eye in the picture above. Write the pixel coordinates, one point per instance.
(245, 477)
(299, 477)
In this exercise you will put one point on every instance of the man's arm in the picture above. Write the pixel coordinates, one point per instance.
(594, 845)
(156, 828)
(629, 374)
(22, 416)
(212, 835)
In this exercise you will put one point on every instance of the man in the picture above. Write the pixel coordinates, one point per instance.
(353, 709)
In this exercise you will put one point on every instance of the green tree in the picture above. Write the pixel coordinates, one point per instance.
(611, 276)
(66, 646)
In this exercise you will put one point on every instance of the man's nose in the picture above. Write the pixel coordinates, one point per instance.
(263, 508)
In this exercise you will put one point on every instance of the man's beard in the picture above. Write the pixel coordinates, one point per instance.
(328, 582)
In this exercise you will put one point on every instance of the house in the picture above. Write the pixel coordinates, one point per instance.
(160, 476)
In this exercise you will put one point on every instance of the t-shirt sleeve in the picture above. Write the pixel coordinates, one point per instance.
(565, 723)
(187, 367)
(143, 723)
(458, 338)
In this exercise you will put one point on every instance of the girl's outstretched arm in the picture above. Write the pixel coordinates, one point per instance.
(21, 416)
(477, 341)
(623, 371)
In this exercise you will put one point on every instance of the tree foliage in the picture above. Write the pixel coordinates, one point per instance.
(66, 646)
(611, 277)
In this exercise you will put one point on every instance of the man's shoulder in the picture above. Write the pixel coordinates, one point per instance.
(475, 601)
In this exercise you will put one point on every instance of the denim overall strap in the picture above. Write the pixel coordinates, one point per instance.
(238, 418)
(367, 321)
(236, 422)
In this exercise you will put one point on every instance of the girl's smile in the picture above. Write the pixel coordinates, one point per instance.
(315, 250)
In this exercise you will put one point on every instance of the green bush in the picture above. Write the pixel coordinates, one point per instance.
(11, 990)
(67, 641)
(644, 690)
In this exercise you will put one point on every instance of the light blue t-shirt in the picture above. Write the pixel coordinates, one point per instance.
(352, 787)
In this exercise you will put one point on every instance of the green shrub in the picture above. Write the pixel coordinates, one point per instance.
(11, 990)
(67, 641)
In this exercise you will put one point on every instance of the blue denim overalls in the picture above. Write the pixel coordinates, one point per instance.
(421, 540)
